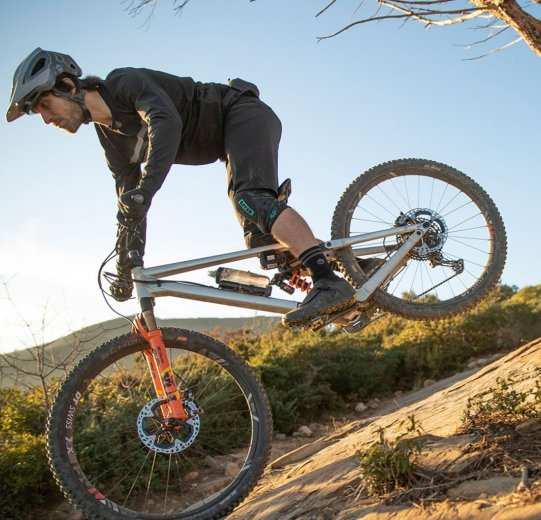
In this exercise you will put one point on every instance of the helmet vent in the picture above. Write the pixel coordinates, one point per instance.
(40, 64)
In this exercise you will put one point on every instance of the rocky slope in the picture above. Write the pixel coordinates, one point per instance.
(321, 480)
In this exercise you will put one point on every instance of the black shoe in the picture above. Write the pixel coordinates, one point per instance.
(327, 296)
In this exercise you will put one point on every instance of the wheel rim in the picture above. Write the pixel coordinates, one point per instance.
(116, 466)
(462, 234)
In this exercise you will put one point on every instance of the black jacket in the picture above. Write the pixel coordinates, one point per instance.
(159, 119)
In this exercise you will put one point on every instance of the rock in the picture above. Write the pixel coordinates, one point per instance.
(212, 462)
(231, 469)
(360, 407)
(528, 427)
(316, 427)
(398, 393)
(280, 436)
(304, 431)
(374, 403)
(429, 382)
(471, 364)
(488, 487)
(300, 453)
(191, 476)
(481, 362)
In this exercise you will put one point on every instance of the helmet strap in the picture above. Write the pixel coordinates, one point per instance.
(80, 99)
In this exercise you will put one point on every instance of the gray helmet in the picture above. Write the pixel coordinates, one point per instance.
(36, 74)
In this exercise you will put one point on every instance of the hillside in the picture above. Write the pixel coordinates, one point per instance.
(321, 481)
(62, 353)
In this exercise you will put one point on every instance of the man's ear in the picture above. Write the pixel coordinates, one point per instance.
(70, 85)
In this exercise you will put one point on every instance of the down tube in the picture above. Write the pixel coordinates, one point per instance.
(212, 295)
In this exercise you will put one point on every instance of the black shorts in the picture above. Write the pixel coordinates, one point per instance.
(252, 134)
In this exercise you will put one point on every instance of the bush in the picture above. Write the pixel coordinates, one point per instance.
(390, 464)
(24, 473)
(305, 374)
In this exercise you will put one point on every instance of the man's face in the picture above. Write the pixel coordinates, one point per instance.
(60, 112)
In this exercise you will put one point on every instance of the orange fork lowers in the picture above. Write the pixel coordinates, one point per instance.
(162, 374)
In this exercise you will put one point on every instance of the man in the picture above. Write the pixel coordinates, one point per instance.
(148, 117)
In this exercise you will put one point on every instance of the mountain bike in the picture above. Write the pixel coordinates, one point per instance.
(172, 424)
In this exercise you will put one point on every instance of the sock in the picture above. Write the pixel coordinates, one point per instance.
(314, 260)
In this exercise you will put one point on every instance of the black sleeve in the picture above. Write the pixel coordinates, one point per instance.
(127, 175)
(157, 110)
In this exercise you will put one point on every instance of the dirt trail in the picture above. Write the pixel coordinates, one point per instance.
(317, 481)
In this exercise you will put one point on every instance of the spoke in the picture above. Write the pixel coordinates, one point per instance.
(413, 279)
(136, 477)
(464, 221)
(167, 484)
(131, 456)
(399, 192)
(369, 220)
(380, 205)
(406, 268)
(150, 480)
(206, 407)
(459, 207)
(389, 199)
(377, 216)
(407, 193)
(466, 261)
(442, 196)
(456, 195)
(468, 245)
(125, 476)
(469, 229)
(180, 486)
(431, 192)
(214, 394)
(210, 380)
(472, 238)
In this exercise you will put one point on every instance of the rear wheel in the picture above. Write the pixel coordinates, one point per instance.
(115, 457)
(459, 260)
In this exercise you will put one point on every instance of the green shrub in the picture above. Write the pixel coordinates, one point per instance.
(506, 406)
(24, 473)
(390, 464)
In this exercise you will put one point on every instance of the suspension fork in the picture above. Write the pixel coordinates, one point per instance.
(160, 366)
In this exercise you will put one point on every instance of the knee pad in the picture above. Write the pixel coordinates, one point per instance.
(260, 207)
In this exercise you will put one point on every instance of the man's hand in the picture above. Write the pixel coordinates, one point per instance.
(133, 205)
(121, 288)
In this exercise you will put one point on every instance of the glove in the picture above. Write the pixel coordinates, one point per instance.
(133, 205)
(121, 288)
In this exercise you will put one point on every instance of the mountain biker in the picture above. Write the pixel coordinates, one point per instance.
(146, 117)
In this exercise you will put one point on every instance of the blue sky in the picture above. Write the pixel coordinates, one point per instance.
(379, 92)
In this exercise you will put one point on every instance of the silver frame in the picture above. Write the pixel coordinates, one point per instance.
(149, 281)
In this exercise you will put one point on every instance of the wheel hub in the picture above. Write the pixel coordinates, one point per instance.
(434, 238)
(171, 436)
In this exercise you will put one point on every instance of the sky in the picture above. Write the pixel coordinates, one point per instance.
(377, 92)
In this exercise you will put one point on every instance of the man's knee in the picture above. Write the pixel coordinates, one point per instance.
(260, 207)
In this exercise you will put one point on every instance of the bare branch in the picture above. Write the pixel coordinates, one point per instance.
(495, 50)
(422, 16)
(325, 8)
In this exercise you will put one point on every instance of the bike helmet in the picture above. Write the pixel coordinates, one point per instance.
(36, 74)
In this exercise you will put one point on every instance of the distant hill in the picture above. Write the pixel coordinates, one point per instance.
(57, 357)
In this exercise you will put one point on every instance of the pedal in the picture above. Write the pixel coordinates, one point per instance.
(325, 319)
(357, 324)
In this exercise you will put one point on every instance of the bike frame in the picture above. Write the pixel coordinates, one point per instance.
(149, 284)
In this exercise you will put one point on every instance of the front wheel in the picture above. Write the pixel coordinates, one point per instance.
(116, 458)
(459, 260)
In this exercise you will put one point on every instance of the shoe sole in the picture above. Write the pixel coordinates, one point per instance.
(308, 319)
